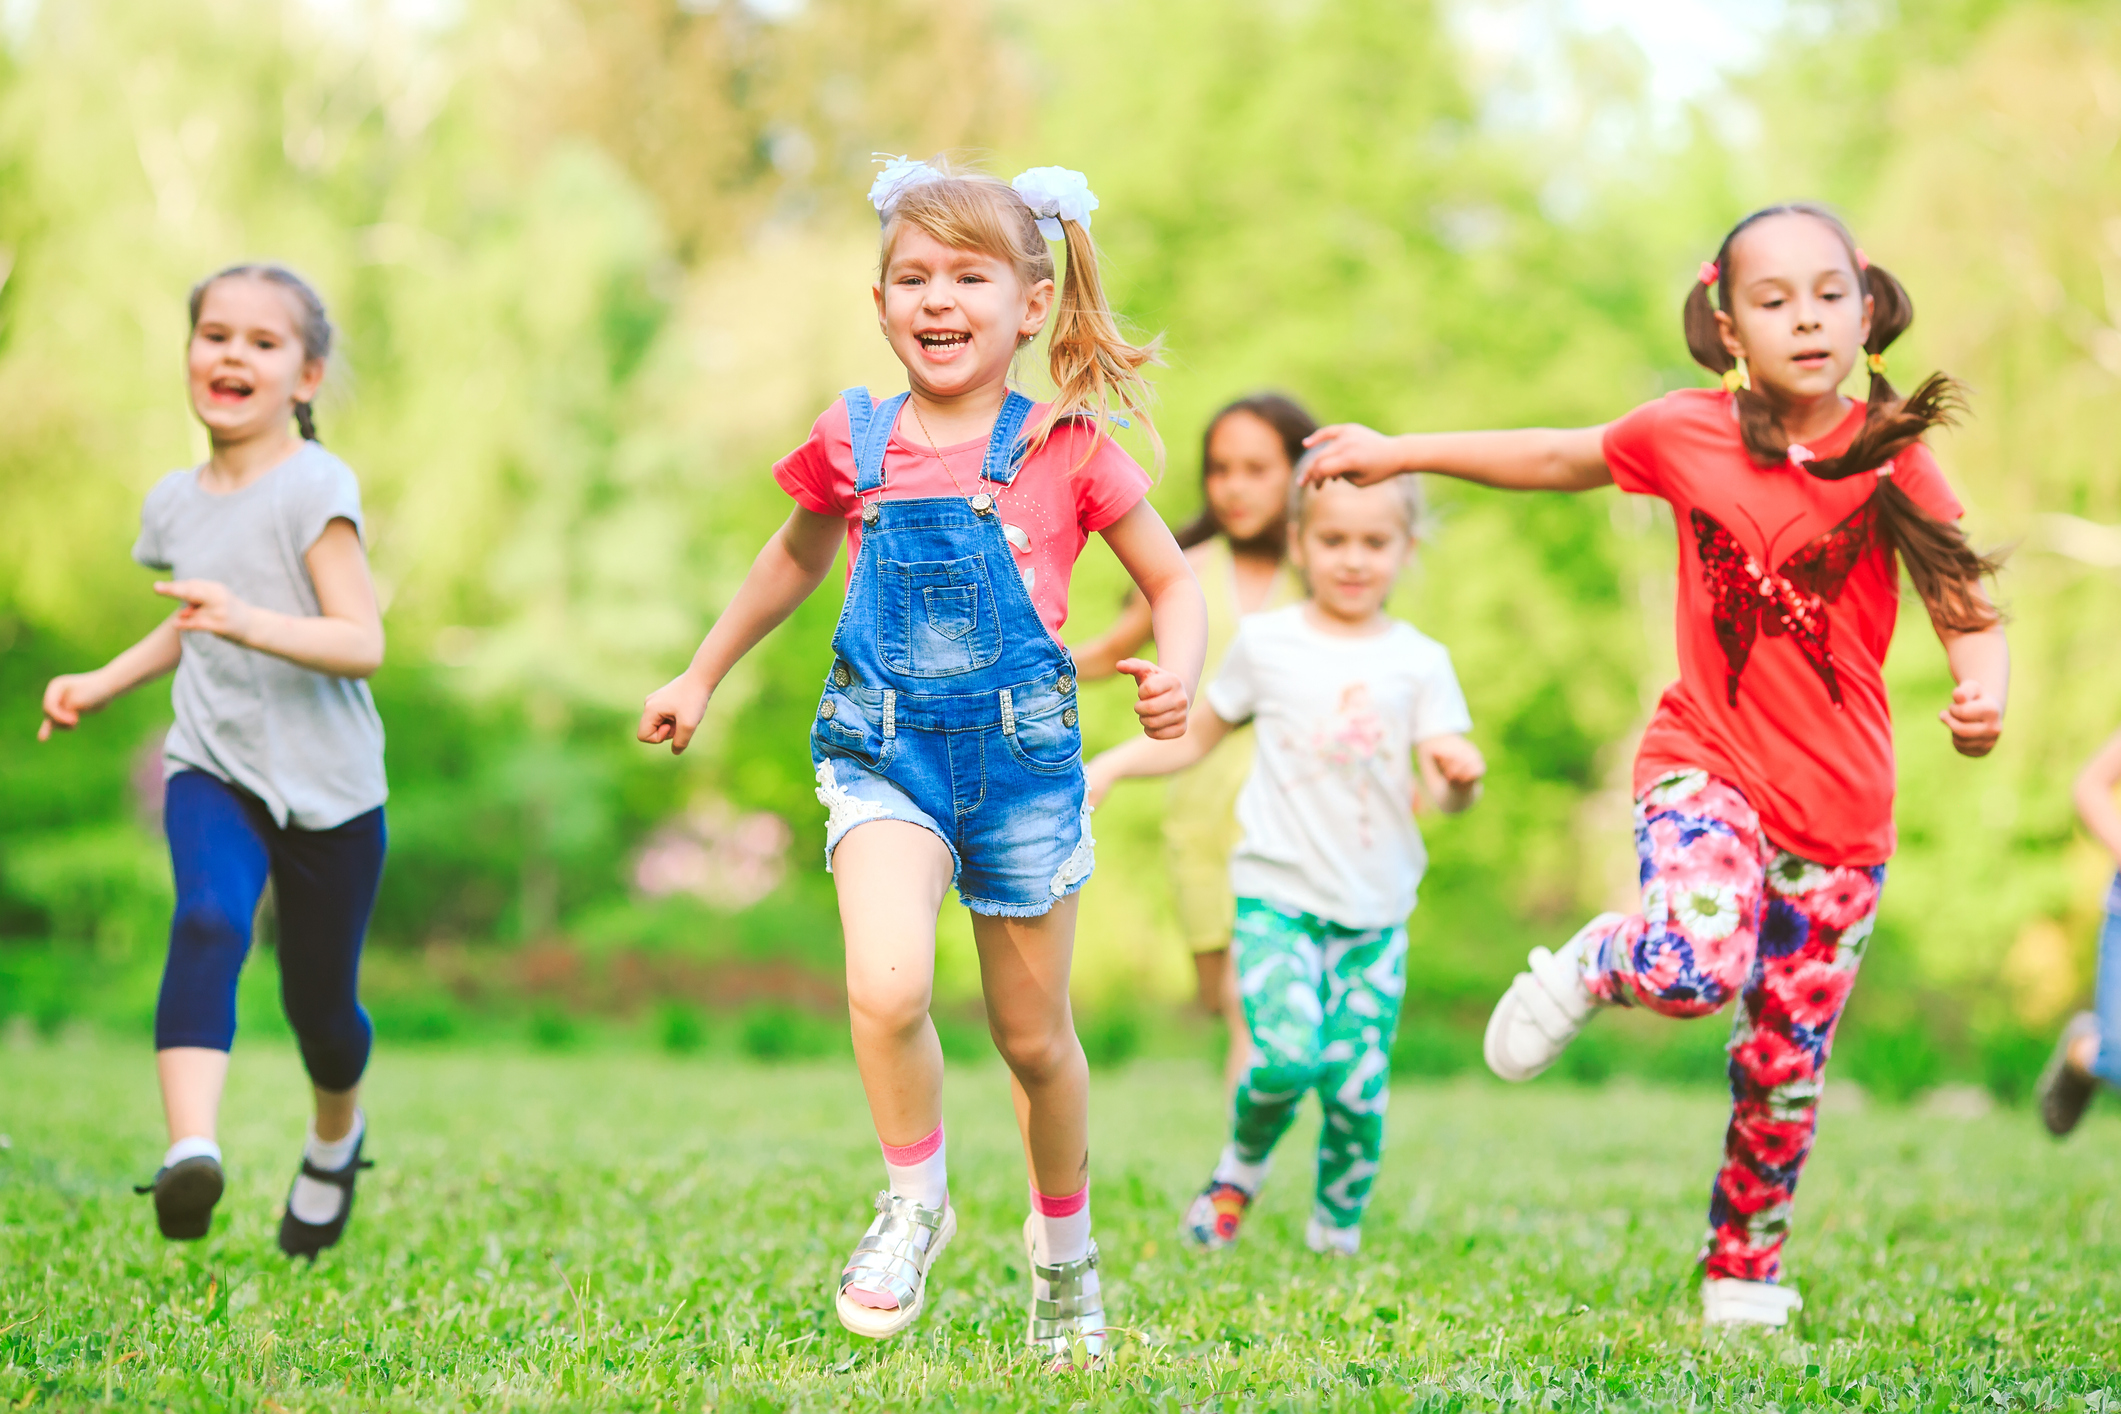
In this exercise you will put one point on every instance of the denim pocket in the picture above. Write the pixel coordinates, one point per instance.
(1047, 742)
(844, 728)
(936, 618)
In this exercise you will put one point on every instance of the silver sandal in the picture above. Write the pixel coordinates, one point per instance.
(894, 1255)
(1067, 1309)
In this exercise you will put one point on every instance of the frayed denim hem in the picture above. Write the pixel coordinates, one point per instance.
(988, 908)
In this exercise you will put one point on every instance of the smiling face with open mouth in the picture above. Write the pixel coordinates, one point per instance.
(1798, 313)
(955, 317)
(246, 363)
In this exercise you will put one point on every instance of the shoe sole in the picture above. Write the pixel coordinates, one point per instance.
(2063, 1094)
(882, 1325)
(185, 1198)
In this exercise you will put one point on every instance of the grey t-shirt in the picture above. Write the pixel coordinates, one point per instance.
(308, 744)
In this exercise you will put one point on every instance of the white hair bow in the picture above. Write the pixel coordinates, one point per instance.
(1056, 194)
(899, 173)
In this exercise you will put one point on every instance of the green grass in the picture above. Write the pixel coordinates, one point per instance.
(612, 1229)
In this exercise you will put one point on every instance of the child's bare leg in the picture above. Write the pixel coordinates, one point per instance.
(192, 1080)
(1217, 976)
(891, 877)
(1024, 972)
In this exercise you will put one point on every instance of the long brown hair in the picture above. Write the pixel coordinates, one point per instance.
(312, 324)
(1946, 570)
(1092, 362)
(1290, 423)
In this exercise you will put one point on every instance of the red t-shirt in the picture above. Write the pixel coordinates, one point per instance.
(1057, 504)
(1781, 688)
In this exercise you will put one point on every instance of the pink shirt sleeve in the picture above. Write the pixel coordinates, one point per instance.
(819, 475)
(1108, 485)
(1917, 473)
(1631, 450)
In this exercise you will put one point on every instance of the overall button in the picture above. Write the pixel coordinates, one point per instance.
(840, 676)
(824, 710)
(870, 513)
(1066, 682)
(1067, 717)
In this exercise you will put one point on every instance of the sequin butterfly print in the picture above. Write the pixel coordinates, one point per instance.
(1751, 600)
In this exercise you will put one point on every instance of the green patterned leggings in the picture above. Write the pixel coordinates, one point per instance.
(1322, 1002)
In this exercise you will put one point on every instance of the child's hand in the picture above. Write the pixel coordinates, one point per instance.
(209, 607)
(1451, 768)
(1975, 719)
(1159, 698)
(672, 712)
(1352, 451)
(66, 698)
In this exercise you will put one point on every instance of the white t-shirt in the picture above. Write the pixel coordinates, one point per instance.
(1328, 813)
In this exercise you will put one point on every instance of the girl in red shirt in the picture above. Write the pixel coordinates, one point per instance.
(1764, 785)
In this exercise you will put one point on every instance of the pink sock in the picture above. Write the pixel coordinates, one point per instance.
(1060, 1227)
(915, 1171)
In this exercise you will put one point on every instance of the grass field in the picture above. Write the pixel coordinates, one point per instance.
(622, 1230)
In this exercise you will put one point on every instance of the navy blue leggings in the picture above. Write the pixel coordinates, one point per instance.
(224, 845)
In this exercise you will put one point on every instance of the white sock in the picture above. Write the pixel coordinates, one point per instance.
(1060, 1227)
(191, 1147)
(919, 1171)
(315, 1202)
(1231, 1169)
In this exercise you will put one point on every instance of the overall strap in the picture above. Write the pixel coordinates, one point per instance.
(869, 427)
(1005, 449)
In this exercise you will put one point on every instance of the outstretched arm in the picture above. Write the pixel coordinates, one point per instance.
(2095, 796)
(1451, 768)
(1145, 756)
(1527, 459)
(67, 698)
(1178, 616)
(792, 564)
(1981, 666)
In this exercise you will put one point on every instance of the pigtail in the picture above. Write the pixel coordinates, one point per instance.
(1092, 361)
(306, 421)
(1944, 567)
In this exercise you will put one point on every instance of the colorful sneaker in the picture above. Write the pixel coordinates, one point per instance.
(2064, 1091)
(1067, 1309)
(1330, 1241)
(307, 1239)
(1542, 1012)
(1212, 1221)
(185, 1194)
(1728, 1301)
(891, 1263)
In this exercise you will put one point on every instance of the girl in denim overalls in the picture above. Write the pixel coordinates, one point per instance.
(946, 740)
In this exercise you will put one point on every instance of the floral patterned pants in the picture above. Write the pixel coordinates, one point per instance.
(1322, 1001)
(1725, 914)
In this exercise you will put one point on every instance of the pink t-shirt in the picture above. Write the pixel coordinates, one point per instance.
(1057, 504)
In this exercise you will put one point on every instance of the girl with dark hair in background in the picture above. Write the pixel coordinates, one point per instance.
(1238, 547)
(1764, 784)
(275, 764)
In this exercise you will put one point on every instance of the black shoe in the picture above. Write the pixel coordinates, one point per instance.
(185, 1194)
(301, 1239)
(2065, 1091)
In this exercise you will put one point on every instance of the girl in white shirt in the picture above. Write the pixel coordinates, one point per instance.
(1346, 700)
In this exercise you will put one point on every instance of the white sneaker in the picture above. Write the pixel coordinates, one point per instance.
(1542, 1012)
(1727, 1301)
(1330, 1241)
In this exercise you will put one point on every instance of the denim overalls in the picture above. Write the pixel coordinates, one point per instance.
(949, 705)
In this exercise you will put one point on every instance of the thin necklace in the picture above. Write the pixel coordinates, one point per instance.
(980, 500)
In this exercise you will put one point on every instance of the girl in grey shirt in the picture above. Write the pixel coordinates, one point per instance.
(274, 768)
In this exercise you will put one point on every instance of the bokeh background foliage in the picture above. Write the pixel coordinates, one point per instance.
(596, 264)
